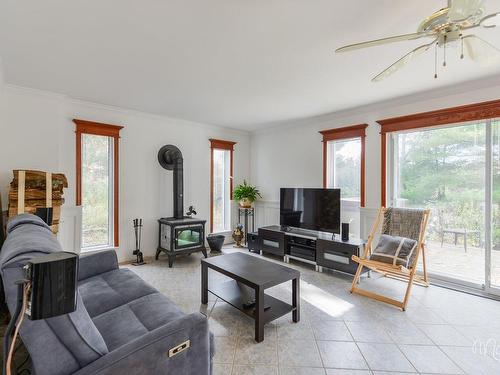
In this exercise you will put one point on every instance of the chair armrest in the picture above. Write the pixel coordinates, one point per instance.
(149, 354)
(97, 262)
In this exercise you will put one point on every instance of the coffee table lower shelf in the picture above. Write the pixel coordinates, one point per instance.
(230, 292)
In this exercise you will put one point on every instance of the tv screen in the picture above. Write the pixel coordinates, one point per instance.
(313, 209)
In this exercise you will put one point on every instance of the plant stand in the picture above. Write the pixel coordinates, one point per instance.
(246, 213)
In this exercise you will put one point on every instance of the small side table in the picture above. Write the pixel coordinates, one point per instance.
(246, 213)
(461, 232)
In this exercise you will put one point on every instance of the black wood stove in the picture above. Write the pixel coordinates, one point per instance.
(178, 235)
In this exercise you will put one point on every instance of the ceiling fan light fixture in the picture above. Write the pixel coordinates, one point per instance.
(446, 27)
(463, 10)
(490, 21)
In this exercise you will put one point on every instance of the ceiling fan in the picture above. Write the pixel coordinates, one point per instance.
(446, 27)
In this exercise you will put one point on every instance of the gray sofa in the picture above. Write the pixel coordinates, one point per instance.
(121, 326)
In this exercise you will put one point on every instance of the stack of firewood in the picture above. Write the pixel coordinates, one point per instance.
(35, 194)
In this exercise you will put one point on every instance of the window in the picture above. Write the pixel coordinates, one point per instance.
(221, 189)
(343, 162)
(97, 183)
(344, 168)
(447, 161)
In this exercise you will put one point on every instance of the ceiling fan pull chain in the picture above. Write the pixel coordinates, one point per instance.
(444, 50)
(436, 60)
(462, 46)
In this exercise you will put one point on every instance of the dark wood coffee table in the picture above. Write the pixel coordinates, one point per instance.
(257, 274)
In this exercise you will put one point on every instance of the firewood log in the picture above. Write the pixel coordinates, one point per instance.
(36, 179)
(34, 194)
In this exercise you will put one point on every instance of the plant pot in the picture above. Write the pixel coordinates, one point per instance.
(245, 203)
(215, 242)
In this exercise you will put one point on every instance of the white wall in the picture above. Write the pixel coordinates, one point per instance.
(3, 130)
(40, 135)
(290, 155)
(37, 133)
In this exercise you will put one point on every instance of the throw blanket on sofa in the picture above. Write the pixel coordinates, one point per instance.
(30, 240)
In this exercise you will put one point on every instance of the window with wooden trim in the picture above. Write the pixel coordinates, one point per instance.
(97, 163)
(447, 116)
(344, 162)
(221, 184)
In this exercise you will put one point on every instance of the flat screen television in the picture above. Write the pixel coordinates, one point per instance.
(313, 209)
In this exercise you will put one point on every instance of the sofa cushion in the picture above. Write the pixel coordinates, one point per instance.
(212, 345)
(110, 290)
(79, 334)
(136, 318)
(96, 263)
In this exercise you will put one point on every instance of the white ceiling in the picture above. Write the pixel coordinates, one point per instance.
(236, 63)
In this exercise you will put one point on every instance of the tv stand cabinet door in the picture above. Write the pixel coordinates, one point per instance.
(272, 242)
(336, 255)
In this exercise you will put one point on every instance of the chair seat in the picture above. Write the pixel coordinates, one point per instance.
(374, 264)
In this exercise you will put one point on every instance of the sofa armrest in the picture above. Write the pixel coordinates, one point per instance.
(97, 262)
(149, 354)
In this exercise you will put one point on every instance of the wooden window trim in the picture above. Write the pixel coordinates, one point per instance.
(113, 131)
(454, 115)
(346, 132)
(219, 144)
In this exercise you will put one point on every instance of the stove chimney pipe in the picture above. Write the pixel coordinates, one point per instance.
(170, 158)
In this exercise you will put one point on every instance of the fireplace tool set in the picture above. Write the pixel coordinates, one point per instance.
(138, 234)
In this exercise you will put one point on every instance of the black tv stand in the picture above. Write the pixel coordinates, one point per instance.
(318, 248)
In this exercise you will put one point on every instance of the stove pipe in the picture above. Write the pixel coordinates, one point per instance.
(170, 158)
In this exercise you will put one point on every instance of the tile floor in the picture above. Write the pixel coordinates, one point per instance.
(442, 331)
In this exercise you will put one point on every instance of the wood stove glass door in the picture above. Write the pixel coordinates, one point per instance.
(188, 237)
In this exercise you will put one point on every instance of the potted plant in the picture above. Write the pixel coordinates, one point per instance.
(246, 194)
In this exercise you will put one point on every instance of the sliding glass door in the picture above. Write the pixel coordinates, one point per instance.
(453, 170)
(495, 208)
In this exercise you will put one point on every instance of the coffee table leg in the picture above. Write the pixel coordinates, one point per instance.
(296, 299)
(259, 314)
(204, 284)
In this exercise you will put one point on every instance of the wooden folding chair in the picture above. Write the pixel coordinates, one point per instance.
(414, 228)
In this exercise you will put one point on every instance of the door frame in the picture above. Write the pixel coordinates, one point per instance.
(487, 111)
(390, 192)
(488, 224)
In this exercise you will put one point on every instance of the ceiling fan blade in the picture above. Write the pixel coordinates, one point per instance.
(378, 42)
(402, 62)
(460, 10)
(491, 20)
(480, 51)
